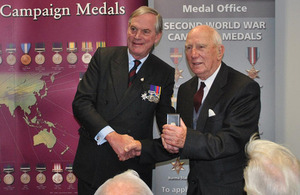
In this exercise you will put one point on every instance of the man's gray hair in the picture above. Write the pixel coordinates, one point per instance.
(147, 10)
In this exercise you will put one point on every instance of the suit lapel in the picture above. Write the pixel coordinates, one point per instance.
(213, 96)
(129, 95)
(119, 73)
(188, 104)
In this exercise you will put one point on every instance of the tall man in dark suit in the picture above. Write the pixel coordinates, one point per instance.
(113, 109)
(214, 137)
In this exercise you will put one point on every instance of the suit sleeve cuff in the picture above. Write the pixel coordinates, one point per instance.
(100, 137)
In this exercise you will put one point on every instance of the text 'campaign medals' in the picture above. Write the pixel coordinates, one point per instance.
(57, 58)
(253, 56)
(57, 178)
(11, 59)
(40, 58)
(87, 47)
(71, 178)
(25, 177)
(25, 59)
(40, 178)
(0, 54)
(8, 178)
(72, 48)
(153, 94)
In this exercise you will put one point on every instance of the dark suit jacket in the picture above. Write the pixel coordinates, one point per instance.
(216, 148)
(103, 98)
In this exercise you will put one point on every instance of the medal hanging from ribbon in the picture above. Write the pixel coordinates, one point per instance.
(176, 57)
(25, 177)
(40, 178)
(57, 177)
(57, 58)
(153, 94)
(71, 178)
(25, 59)
(87, 47)
(40, 58)
(72, 48)
(8, 179)
(11, 59)
(253, 56)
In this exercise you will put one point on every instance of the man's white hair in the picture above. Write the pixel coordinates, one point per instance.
(127, 183)
(272, 169)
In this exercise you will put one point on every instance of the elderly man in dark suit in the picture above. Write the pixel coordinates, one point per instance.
(116, 101)
(217, 121)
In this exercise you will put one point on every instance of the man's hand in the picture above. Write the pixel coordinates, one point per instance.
(118, 142)
(133, 149)
(169, 148)
(173, 137)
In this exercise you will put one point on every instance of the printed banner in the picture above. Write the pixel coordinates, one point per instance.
(248, 32)
(45, 47)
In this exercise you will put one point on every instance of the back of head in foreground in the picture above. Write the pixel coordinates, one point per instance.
(127, 183)
(272, 169)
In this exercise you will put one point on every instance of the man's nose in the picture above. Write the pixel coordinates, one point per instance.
(137, 34)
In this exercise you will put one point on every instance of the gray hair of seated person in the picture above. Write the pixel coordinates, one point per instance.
(272, 169)
(126, 183)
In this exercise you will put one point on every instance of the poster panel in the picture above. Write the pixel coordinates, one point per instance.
(45, 47)
(247, 28)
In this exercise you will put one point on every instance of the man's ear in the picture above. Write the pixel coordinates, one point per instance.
(221, 50)
(158, 37)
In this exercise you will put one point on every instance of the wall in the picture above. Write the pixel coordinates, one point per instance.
(287, 74)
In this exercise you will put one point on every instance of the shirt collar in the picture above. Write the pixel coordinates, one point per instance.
(209, 81)
(131, 59)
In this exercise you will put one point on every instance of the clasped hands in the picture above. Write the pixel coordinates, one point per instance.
(126, 147)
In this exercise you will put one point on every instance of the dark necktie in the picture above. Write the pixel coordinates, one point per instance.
(198, 97)
(132, 72)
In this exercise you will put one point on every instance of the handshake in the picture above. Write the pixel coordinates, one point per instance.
(126, 147)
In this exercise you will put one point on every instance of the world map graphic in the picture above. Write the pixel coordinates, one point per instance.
(37, 125)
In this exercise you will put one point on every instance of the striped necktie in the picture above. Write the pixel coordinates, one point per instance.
(132, 72)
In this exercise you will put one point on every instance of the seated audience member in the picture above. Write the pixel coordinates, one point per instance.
(127, 183)
(272, 169)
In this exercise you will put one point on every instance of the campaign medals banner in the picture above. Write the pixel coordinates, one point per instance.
(40, 67)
